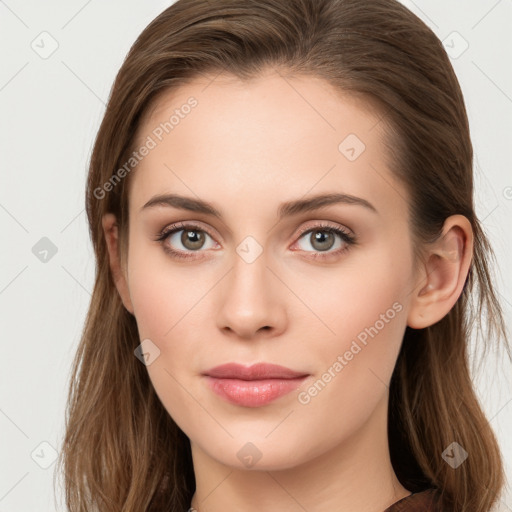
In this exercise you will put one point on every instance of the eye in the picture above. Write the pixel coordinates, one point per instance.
(323, 238)
(187, 237)
(182, 240)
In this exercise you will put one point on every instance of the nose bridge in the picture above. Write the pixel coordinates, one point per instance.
(251, 299)
(250, 260)
(249, 280)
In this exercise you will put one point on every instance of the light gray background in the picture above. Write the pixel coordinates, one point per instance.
(50, 111)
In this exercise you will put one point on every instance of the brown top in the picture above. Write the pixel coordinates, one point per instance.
(425, 501)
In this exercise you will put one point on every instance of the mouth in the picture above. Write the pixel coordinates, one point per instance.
(253, 386)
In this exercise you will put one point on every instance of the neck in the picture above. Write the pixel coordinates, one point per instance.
(354, 476)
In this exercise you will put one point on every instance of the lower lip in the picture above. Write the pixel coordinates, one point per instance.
(253, 393)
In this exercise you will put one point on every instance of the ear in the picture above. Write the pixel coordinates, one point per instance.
(441, 278)
(110, 229)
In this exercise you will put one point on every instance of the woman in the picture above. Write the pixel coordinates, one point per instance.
(280, 199)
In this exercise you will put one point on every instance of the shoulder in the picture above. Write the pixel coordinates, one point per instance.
(424, 501)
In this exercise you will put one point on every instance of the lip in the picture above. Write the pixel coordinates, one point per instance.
(255, 372)
(253, 386)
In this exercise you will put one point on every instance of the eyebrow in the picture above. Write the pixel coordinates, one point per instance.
(286, 209)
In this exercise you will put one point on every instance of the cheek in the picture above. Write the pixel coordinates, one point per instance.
(353, 369)
(165, 305)
(358, 299)
(160, 297)
(361, 302)
(353, 296)
(364, 306)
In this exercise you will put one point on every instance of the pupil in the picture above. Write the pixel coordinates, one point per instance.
(321, 237)
(192, 239)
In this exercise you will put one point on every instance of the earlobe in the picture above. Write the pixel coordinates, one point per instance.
(443, 274)
(111, 233)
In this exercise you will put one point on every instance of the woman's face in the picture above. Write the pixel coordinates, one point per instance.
(257, 283)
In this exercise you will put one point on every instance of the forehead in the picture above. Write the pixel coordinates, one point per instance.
(261, 142)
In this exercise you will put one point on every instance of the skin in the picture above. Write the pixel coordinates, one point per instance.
(246, 148)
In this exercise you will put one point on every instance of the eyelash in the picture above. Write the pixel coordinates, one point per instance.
(349, 239)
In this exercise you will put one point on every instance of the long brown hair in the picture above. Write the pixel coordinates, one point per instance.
(122, 451)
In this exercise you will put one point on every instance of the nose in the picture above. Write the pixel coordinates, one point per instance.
(251, 300)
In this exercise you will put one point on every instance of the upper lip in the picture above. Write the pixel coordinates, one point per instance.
(254, 372)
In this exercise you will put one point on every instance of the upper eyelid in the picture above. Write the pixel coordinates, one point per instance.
(183, 225)
(326, 225)
(348, 237)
